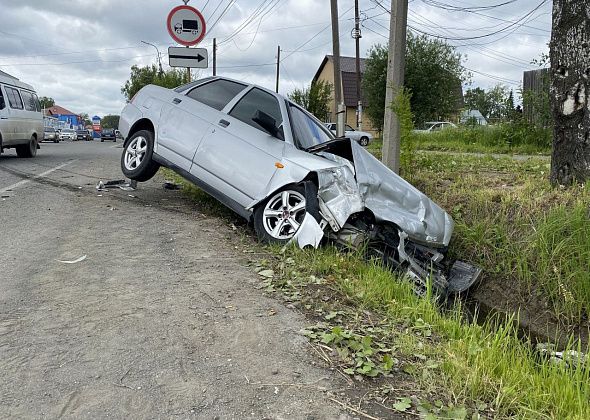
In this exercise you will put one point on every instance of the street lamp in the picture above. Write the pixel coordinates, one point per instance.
(159, 58)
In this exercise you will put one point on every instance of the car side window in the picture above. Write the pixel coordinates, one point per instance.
(257, 100)
(14, 98)
(2, 103)
(37, 103)
(349, 128)
(216, 94)
(29, 101)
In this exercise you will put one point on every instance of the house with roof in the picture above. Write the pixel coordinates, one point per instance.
(65, 118)
(348, 76)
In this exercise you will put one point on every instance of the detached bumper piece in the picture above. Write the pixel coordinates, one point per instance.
(462, 277)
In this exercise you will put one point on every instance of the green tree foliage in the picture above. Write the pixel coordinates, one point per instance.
(374, 83)
(315, 98)
(85, 119)
(433, 77)
(46, 102)
(110, 121)
(402, 108)
(150, 75)
(496, 104)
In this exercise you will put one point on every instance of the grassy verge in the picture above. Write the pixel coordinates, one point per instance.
(513, 223)
(508, 138)
(373, 326)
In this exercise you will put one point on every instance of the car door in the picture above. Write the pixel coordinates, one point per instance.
(239, 158)
(16, 125)
(187, 118)
(6, 123)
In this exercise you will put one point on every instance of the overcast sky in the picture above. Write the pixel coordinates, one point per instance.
(79, 52)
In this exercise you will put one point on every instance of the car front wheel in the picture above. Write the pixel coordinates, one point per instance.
(364, 141)
(279, 218)
(136, 161)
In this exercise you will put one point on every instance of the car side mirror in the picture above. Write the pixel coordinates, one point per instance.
(268, 123)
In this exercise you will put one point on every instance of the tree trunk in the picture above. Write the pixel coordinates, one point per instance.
(570, 91)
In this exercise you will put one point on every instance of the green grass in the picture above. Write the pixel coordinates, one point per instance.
(513, 223)
(468, 363)
(511, 138)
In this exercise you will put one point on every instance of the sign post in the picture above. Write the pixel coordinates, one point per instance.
(186, 25)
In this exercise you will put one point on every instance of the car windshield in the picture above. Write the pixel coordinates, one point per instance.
(67, 130)
(50, 129)
(81, 131)
(307, 131)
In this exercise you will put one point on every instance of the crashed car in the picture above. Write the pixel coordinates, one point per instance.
(279, 167)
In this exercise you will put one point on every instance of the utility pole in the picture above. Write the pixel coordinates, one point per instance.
(339, 106)
(278, 67)
(214, 56)
(395, 81)
(356, 34)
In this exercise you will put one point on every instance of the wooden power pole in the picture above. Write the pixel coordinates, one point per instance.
(356, 34)
(214, 56)
(395, 80)
(339, 106)
(570, 92)
(278, 67)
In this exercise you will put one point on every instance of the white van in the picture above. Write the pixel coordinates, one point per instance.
(21, 120)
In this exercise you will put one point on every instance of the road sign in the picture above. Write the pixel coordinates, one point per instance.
(188, 57)
(186, 25)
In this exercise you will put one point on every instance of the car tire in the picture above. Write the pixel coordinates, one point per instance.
(102, 140)
(56, 141)
(269, 214)
(28, 150)
(364, 141)
(137, 161)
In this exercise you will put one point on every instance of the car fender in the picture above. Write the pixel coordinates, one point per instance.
(288, 172)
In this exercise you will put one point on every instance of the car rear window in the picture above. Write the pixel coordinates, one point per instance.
(216, 94)
(14, 98)
(257, 100)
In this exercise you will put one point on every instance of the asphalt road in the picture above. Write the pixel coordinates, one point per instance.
(159, 318)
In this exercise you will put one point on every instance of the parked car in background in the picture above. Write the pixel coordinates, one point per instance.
(108, 134)
(21, 120)
(433, 126)
(50, 134)
(67, 134)
(361, 137)
(278, 166)
(83, 135)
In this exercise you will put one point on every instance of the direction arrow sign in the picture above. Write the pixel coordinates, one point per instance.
(186, 25)
(188, 57)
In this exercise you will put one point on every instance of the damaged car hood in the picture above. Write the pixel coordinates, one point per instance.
(377, 188)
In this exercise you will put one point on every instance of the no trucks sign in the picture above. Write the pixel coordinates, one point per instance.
(186, 25)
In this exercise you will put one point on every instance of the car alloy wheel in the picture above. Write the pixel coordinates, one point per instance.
(283, 214)
(135, 153)
(364, 141)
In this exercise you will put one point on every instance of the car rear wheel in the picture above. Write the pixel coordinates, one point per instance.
(364, 141)
(279, 218)
(28, 150)
(136, 161)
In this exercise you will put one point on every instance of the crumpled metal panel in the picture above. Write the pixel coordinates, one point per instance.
(393, 199)
(309, 233)
(339, 192)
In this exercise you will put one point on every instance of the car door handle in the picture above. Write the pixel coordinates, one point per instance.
(223, 123)
(176, 101)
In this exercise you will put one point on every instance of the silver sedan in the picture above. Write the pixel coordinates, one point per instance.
(275, 164)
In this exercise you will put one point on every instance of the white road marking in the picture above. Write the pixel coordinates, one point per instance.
(41, 175)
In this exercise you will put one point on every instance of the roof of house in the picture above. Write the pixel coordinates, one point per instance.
(58, 110)
(348, 75)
